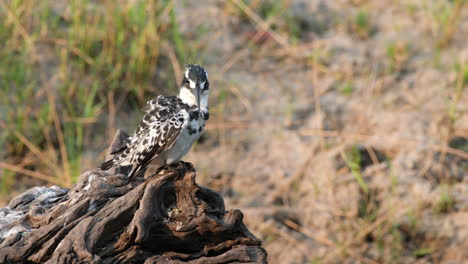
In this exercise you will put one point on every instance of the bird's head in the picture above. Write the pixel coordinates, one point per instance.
(195, 85)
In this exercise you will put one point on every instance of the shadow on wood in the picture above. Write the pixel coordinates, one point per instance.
(166, 218)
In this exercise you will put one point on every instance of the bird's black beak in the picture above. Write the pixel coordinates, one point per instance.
(198, 97)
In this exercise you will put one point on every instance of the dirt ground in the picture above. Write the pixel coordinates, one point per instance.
(382, 91)
(339, 128)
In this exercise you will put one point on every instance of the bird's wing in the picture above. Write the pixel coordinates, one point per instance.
(159, 135)
(157, 132)
(124, 147)
(159, 103)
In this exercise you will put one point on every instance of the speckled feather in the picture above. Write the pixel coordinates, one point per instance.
(165, 118)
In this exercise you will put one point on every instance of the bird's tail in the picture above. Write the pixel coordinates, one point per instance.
(136, 171)
(107, 165)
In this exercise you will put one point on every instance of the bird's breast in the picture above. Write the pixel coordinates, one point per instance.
(195, 127)
(188, 136)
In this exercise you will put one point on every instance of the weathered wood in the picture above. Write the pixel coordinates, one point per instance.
(104, 218)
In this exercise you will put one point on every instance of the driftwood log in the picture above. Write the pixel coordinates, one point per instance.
(104, 218)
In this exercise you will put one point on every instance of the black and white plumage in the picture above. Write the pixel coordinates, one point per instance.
(170, 126)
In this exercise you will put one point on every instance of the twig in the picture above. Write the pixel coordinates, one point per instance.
(31, 173)
(308, 233)
(58, 129)
(64, 43)
(228, 125)
(242, 98)
(29, 41)
(261, 23)
(292, 240)
(175, 63)
(34, 149)
(316, 96)
(111, 120)
(230, 62)
(358, 136)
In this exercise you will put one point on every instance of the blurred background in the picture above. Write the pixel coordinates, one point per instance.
(339, 128)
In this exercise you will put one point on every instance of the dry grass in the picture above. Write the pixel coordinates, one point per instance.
(338, 127)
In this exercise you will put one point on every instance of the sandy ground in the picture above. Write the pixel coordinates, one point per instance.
(274, 147)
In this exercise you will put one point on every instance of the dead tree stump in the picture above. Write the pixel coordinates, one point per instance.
(104, 218)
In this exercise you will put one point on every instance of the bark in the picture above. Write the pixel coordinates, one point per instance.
(104, 218)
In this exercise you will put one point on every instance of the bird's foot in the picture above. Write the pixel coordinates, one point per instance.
(174, 167)
(160, 169)
(187, 165)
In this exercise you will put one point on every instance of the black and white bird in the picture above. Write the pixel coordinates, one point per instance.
(170, 126)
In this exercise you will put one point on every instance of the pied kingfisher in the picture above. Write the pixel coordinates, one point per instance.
(170, 126)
